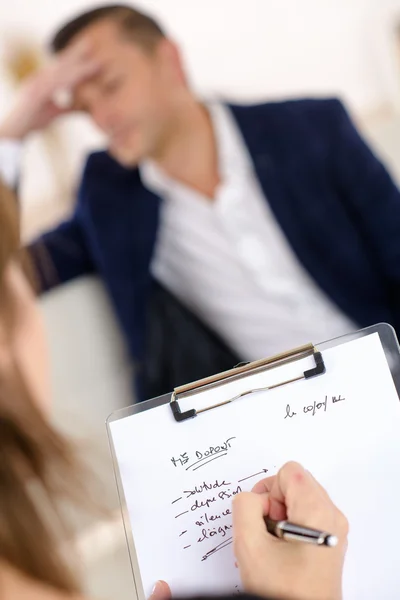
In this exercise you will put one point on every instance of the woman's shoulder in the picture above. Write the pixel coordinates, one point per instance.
(15, 584)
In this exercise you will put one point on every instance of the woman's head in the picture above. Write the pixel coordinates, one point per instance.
(34, 460)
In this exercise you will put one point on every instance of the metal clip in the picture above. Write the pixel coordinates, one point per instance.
(243, 371)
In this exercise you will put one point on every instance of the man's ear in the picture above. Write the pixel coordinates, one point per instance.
(172, 60)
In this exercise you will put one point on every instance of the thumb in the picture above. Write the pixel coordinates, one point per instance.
(161, 591)
(248, 513)
(249, 510)
(250, 538)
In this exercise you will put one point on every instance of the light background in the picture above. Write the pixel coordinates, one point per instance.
(243, 50)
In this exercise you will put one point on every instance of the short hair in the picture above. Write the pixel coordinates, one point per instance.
(142, 28)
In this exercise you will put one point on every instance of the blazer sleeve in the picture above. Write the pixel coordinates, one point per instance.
(60, 255)
(372, 198)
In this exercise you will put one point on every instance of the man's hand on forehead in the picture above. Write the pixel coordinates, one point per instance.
(48, 94)
(70, 68)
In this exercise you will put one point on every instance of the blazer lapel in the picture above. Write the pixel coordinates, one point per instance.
(289, 180)
(278, 176)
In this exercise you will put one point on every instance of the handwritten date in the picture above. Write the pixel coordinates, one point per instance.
(313, 409)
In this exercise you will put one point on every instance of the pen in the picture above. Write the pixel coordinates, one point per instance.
(297, 533)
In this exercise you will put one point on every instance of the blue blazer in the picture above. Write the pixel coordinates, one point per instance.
(333, 199)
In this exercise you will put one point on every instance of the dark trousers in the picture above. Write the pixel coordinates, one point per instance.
(179, 347)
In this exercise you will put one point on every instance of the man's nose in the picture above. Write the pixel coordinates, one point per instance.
(104, 117)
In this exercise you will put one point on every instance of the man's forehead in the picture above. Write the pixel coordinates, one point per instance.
(100, 36)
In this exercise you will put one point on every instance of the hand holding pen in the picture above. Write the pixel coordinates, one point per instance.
(293, 506)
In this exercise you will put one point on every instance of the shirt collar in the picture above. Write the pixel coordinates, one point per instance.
(233, 158)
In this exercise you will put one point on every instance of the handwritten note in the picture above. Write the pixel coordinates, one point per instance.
(208, 505)
(200, 459)
(179, 478)
(313, 409)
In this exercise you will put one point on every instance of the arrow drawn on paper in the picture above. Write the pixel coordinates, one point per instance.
(255, 475)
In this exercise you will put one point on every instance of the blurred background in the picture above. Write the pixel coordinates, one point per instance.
(243, 50)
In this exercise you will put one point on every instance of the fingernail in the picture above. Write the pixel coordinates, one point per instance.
(155, 588)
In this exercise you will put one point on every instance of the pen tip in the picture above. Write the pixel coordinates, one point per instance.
(331, 541)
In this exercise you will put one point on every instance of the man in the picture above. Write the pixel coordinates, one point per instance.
(245, 229)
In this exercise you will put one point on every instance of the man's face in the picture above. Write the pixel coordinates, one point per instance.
(135, 94)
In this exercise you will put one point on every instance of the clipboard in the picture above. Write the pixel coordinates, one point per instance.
(183, 394)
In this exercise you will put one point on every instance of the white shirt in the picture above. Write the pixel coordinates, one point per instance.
(228, 261)
(10, 159)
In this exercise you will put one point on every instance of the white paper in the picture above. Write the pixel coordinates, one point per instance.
(345, 430)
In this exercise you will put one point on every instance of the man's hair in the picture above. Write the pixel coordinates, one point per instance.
(136, 25)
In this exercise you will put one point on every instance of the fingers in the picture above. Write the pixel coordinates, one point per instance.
(76, 53)
(305, 499)
(270, 567)
(65, 82)
(249, 511)
(65, 72)
(277, 509)
(73, 68)
(265, 485)
(296, 495)
(161, 591)
(252, 544)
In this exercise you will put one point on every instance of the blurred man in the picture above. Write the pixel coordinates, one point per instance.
(221, 232)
